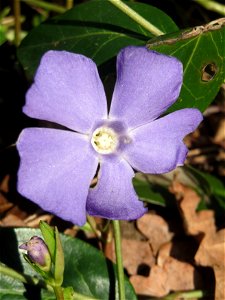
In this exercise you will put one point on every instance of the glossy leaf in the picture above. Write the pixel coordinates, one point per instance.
(86, 269)
(202, 53)
(146, 192)
(209, 185)
(96, 29)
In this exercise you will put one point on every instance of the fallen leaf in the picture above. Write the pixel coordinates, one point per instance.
(220, 134)
(211, 253)
(4, 204)
(180, 249)
(155, 229)
(136, 255)
(195, 222)
(173, 275)
(12, 220)
(4, 184)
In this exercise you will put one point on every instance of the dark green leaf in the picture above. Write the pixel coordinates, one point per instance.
(145, 192)
(11, 289)
(209, 185)
(202, 53)
(86, 269)
(96, 29)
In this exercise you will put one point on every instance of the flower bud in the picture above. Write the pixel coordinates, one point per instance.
(38, 253)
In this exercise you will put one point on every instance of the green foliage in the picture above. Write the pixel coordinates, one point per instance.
(49, 237)
(99, 30)
(96, 29)
(202, 53)
(59, 260)
(208, 186)
(86, 269)
(148, 192)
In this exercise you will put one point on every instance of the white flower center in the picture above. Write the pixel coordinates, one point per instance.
(104, 140)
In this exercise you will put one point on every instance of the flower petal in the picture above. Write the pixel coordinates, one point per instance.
(147, 84)
(114, 197)
(67, 90)
(157, 147)
(56, 170)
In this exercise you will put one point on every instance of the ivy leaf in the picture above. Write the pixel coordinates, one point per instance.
(202, 53)
(95, 28)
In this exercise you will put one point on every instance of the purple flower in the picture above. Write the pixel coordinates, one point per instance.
(57, 166)
(37, 252)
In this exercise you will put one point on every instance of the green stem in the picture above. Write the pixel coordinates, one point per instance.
(17, 15)
(45, 5)
(212, 5)
(93, 225)
(69, 4)
(77, 296)
(119, 259)
(185, 295)
(58, 292)
(136, 17)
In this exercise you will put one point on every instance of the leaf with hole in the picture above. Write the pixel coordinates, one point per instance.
(202, 53)
(86, 269)
(96, 29)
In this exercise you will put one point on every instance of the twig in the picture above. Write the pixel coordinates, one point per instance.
(45, 5)
(136, 17)
(212, 5)
(17, 14)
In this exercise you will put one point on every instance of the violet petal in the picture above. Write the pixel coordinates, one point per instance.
(67, 90)
(158, 147)
(114, 197)
(147, 84)
(56, 169)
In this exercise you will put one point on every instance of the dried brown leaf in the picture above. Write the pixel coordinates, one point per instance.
(194, 222)
(155, 229)
(135, 254)
(173, 275)
(211, 253)
(182, 249)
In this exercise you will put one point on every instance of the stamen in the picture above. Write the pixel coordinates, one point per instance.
(104, 140)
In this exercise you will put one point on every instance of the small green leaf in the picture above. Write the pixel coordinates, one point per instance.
(36, 268)
(209, 185)
(68, 293)
(202, 53)
(49, 237)
(59, 260)
(145, 192)
(95, 28)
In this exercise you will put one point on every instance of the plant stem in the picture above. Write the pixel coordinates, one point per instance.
(119, 259)
(45, 5)
(136, 17)
(17, 15)
(93, 225)
(212, 5)
(69, 4)
(185, 295)
(58, 292)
